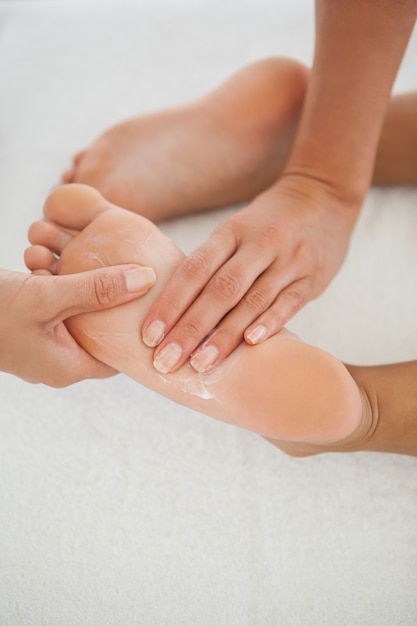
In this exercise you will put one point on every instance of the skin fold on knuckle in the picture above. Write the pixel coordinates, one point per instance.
(61, 382)
(196, 266)
(226, 285)
(226, 339)
(294, 300)
(229, 229)
(168, 308)
(190, 331)
(273, 231)
(256, 301)
(41, 289)
(105, 290)
(60, 377)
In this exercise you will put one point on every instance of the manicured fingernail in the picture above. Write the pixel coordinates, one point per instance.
(139, 279)
(168, 358)
(154, 334)
(257, 334)
(203, 360)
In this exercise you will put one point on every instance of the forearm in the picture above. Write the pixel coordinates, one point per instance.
(392, 395)
(359, 47)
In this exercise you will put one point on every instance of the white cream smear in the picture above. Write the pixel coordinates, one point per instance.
(193, 383)
(198, 384)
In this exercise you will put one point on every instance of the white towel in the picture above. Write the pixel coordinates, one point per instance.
(119, 507)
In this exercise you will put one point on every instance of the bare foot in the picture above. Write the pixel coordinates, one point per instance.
(223, 149)
(294, 394)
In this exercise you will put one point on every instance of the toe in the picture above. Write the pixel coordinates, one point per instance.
(74, 206)
(68, 176)
(49, 235)
(43, 273)
(40, 260)
(78, 157)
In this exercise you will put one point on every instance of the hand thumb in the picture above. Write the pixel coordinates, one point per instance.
(101, 289)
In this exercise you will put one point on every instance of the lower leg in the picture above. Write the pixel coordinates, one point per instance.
(392, 393)
(396, 159)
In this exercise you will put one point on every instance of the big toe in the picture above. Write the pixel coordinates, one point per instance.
(74, 206)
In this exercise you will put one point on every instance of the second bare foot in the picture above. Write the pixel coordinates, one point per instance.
(223, 149)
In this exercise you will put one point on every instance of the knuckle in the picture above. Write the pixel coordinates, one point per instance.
(256, 301)
(227, 285)
(273, 230)
(169, 306)
(60, 383)
(227, 338)
(228, 226)
(105, 289)
(294, 299)
(229, 232)
(191, 329)
(196, 266)
(304, 256)
(294, 453)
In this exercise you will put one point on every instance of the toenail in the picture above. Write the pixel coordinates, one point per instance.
(154, 334)
(139, 279)
(168, 358)
(205, 358)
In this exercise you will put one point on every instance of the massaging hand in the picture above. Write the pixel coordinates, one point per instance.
(34, 342)
(253, 274)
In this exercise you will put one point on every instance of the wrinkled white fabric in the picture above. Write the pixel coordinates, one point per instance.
(119, 507)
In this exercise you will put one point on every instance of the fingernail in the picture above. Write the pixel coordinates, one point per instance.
(204, 358)
(257, 334)
(139, 279)
(168, 358)
(154, 334)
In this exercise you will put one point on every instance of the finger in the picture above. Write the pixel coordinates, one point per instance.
(95, 369)
(229, 333)
(39, 260)
(86, 367)
(185, 285)
(79, 365)
(286, 305)
(221, 295)
(98, 289)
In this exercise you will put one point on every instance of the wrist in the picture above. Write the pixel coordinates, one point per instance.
(320, 195)
(329, 178)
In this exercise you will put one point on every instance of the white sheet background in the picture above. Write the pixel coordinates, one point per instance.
(119, 507)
